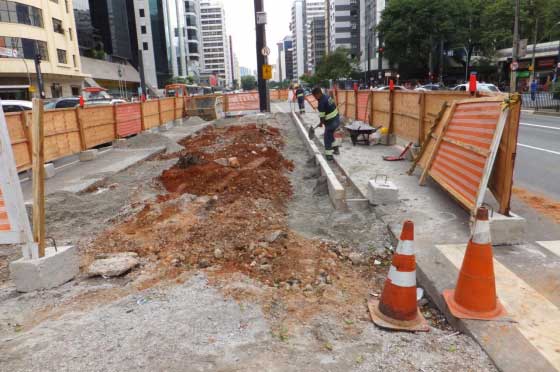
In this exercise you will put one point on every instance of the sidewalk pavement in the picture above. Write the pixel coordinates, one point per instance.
(78, 176)
(527, 275)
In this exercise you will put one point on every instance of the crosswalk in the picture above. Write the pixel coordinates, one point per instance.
(535, 316)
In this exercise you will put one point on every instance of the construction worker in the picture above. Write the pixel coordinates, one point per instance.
(300, 95)
(328, 113)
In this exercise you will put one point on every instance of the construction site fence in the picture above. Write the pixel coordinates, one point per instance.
(69, 131)
(414, 117)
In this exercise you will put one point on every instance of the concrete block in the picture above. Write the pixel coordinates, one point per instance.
(88, 155)
(382, 191)
(506, 230)
(119, 142)
(56, 268)
(50, 171)
(388, 139)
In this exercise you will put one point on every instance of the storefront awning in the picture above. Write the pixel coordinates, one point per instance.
(99, 69)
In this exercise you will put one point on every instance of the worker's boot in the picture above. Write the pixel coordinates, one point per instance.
(337, 150)
(329, 157)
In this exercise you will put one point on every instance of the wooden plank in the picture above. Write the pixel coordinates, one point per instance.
(422, 181)
(142, 116)
(391, 110)
(83, 143)
(38, 176)
(421, 115)
(27, 126)
(160, 113)
(466, 146)
(464, 202)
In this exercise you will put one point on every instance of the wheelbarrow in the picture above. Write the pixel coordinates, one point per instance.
(360, 132)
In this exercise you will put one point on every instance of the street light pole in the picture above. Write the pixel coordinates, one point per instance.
(513, 77)
(261, 58)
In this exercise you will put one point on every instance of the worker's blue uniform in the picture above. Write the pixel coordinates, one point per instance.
(329, 112)
(300, 94)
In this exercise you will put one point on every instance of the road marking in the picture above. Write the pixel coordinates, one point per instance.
(539, 126)
(539, 149)
(552, 246)
(537, 318)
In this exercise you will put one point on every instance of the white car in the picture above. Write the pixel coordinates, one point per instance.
(16, 105)
(386, 87)
(480, 87)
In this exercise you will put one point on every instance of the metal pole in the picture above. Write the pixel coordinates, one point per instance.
(142, 77)
(534, 49)
(40, 82)
(232, 64)
(513, 76)
(261, 59)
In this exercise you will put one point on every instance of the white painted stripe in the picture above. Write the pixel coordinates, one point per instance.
(538, 320)
(402, 278)
(539, 149)
(539, 126)
(405, 247)
(481, 232)
(552, 246)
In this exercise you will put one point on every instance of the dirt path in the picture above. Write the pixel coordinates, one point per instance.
(245, 267)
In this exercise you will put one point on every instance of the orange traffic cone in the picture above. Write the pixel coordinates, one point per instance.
(397, 307)
(475, 295)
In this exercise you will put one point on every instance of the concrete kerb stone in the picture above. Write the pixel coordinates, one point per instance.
(337, 194)
(88, 155)
(507, 230)
(57, 267)
(50, 170)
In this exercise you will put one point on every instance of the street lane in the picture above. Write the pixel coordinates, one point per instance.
(538, 155)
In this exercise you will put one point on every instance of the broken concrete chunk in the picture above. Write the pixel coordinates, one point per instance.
(233, 162)
(275, 235)
(113, 264)
(357, 259)
(222, 161)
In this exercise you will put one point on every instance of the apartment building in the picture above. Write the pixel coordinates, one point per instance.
(314, 15)
(343, 26)
(45, 28)
(305, 15)
(318, 45)
(215, 44)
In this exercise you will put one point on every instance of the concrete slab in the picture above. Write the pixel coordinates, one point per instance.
(57, 267)
(88, 155)
(50, 170)
(508, 230)
(382, 191)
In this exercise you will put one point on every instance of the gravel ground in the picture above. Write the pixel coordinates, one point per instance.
(194, 323)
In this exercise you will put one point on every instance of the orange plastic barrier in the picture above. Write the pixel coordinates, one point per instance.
(4, 221)
(129, 119)
(242, 102)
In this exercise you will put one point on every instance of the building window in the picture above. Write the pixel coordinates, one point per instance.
(74, 60)
(56, 90)
(61, 53)
(70, 34)
(75, 91)
(143, 29)
(57, 26)
(66, 6)
(55, 1)
(142, 14)
(13, 12)
(145, 46)
(26, 48)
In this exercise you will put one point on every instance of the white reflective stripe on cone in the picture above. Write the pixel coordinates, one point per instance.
(481, 232)
(405, 247)
(402, 278)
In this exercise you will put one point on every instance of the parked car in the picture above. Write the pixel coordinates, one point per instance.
(16, 105)
(386, 87)
(480, 87)
(70, 102)
(430, 87)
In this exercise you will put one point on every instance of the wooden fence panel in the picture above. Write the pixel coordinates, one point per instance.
(19, 138)
(179, 108)
(99, 125)
(167, 107)
(406, 114)
(341, 94)
(274, 95)
(243, 102)
(151, 114)
(433, 103)
(364, 107)
(62, 133)
(351, 104)
(129, 119)
(380, 109)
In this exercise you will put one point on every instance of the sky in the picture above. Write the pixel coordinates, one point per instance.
(240, 23)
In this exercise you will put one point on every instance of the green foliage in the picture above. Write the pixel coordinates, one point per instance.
(180, 80)
(336, 65)
(279, 84)
(248, 82)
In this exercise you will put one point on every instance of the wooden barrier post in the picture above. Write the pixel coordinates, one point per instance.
(142, 116)
(38, 139)
(356, 104)
(391, 109)
(421, 114)
(83, 144)
(372, 108)
(27, 127)
(226, 102)
(159, 111)
(115, 124)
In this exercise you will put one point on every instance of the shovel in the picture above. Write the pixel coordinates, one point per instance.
(311, 131)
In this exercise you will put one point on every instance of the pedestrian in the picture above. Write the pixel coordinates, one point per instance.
(300, 95)
(330, 119)
(534, 87)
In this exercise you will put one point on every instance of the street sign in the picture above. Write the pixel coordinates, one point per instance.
(514, 66)
(388, 74)
(265, 51)
(267, 72)
(261, 18)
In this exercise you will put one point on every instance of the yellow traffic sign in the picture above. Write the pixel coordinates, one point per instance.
(267, 72)
(31, 89)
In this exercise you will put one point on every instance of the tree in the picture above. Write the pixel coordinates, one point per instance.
(336, 65)
(181, 80)
(248, 82)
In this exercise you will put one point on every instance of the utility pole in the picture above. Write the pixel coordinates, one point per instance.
(534, 49)
(513, 77)
(261, 58)
(142, 92)
(40, 82)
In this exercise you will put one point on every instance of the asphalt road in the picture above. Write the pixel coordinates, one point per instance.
(538, 155)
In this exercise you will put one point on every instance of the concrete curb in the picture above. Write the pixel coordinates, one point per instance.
(337, 193)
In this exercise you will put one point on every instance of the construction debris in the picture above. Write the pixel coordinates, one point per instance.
(113, 264)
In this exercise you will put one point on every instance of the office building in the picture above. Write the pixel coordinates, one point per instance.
(370, 18)
(314, 10)
(46, 28)
(297, 27)
(215, 44)
(343, 26)
(245, 71)
(108, 44)
(318, 42)
(288, 58)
